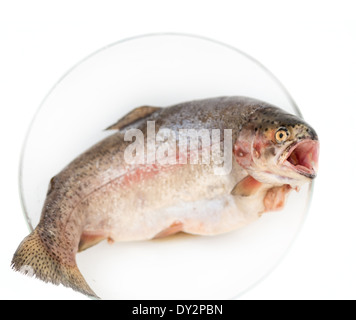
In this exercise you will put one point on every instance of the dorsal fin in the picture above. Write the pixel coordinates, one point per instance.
(133, 116)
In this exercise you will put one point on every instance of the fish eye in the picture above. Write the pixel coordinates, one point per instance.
(282, 134)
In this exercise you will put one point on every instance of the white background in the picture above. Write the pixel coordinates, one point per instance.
(309, 45)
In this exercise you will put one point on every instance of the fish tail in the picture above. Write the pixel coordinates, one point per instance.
(34, 258)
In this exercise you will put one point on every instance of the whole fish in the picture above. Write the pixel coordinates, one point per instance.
(143, 182)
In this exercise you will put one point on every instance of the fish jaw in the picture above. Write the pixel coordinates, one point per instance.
(302, 158)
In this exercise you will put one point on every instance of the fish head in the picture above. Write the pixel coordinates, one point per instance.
(278, 148)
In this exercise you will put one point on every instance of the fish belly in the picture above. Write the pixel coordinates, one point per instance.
(186, 198)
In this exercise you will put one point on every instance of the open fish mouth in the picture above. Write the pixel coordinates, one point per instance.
(302, 158)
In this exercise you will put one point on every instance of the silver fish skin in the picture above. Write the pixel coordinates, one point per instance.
(101, 196)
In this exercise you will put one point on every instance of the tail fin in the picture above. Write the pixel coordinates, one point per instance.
(34, 258)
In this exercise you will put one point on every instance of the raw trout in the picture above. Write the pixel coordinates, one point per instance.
(143, 182)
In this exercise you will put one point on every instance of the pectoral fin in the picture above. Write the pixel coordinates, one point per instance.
(133, 116)
(246, 187)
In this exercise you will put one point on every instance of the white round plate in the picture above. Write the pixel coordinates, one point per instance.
(158, 70)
